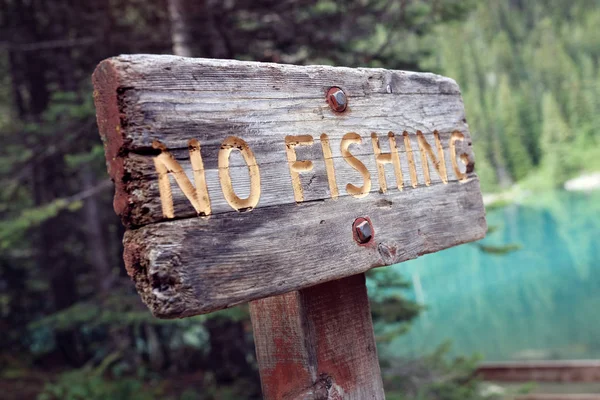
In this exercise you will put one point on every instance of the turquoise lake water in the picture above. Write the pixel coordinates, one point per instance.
(539, 302)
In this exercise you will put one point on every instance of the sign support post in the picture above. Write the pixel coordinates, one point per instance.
(280, 186)
(317, 343)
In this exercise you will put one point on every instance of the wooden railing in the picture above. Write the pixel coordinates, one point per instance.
(541, 371)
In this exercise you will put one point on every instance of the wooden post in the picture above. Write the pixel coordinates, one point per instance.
(317, 343)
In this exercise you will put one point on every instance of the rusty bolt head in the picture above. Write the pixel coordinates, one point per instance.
(363, 230)
(337, 99)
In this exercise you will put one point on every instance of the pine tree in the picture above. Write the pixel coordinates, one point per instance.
(555, 140)
(518, 159)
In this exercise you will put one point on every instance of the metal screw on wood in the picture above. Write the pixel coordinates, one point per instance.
(363, 230)
(337, 99)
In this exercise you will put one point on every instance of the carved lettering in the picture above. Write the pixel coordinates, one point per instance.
(297, 166)
(333, 188)
(411, 160)
(166, 164)
(234, 143)
(356, 191)
(197, 193)
(387, 158)
(456, 136)
(427, 152)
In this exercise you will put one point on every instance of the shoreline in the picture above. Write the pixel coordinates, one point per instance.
(586, 182)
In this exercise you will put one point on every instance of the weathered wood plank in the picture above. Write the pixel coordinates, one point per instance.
(237, 181)
(143, 190)
(198, 265)
(318, 343)
(143, 99)
(176, 116)
(253, 79)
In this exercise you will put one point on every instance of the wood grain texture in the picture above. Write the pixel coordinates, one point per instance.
(186, 264)
(317, 343)
(198, 265)
(174, 99)
(142, 182)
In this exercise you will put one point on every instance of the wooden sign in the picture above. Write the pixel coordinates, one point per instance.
(240, 180)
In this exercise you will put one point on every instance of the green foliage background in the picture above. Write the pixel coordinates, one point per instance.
(72, 325)
(530, 76)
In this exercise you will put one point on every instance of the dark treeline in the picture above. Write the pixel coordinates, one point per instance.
(72, 324)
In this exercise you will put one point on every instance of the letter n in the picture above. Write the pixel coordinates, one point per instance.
(166, 164)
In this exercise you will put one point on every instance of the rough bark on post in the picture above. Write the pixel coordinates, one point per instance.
(318, 343)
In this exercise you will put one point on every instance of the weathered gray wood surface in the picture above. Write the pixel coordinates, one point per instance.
(141, 187)
(198, 265)
(318, 343)
(174, 99)
(187, 264)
